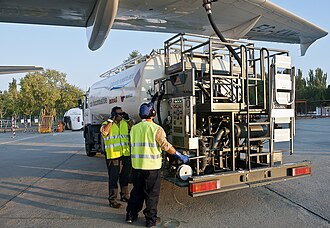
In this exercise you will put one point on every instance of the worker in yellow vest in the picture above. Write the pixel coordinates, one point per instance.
(116, 141)
(147, 142)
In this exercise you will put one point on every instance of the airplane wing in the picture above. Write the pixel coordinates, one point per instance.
(18, 69)
(251, 19)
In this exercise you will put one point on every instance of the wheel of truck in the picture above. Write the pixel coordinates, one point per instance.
(66, 126)
(88, 148)
(70, 125)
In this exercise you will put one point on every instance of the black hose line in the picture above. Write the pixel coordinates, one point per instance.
(207, 94)
(160, 97)
(158, 109)
(207, 6)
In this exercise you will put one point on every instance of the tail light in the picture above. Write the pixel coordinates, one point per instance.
(204, 186)
(301, 171)
(78, 119)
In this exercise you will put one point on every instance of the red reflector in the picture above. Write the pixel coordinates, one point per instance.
(301, 171)
(204, 186)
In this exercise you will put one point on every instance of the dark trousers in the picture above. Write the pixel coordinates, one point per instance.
(146, 187)
(118, 168)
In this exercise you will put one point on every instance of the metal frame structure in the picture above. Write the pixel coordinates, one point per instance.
(234, 110)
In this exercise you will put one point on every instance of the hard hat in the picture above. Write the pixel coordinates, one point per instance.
(147, 110)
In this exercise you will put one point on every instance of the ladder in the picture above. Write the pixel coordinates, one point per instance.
(282, 93)
(280, 105)
(251, 80)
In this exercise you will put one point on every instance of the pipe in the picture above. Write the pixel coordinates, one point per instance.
(217, 138)
(203, 152)
(160, 97)
(255, 130)
(207, 6)
(207, 94)
(158, 109)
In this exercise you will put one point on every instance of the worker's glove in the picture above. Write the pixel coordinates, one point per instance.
(181, 157)
(109, 120)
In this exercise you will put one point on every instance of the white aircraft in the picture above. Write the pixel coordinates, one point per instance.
(18, 69)
(250, 19)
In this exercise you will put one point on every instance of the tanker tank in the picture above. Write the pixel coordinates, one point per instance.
(127, 89)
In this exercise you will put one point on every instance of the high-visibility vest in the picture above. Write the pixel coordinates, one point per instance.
(117, 141)
(145, 152)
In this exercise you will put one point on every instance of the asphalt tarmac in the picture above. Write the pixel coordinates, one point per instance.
(46, 180)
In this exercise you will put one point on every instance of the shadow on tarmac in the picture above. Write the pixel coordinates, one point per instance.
(93, 214)
(54, 191)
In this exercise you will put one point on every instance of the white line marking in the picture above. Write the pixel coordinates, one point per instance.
(17, 140)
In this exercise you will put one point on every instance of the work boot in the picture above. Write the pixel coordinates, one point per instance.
(114, 204)
(113, 199)
(149, 224)
(124, 195)
(130, 218)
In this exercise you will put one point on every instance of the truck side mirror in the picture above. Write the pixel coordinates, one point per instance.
(79, 103)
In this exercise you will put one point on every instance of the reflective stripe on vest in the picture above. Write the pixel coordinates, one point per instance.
(117, 144)
(145, 144)
(117, 137)
(146, 154)
(117, 141)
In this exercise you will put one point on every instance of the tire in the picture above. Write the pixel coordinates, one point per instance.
(66, 122)
(88, 149)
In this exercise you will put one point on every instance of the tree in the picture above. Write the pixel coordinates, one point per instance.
(10, 99)
(300, 85)
(55, 78)
(69, 95)
(319, 80)
(328, 93)
(132, 55)
(28, 95)
(2, 106)
(44, 93)
(316, 85)
(47, 90)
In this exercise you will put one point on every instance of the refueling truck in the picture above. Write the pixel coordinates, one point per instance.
(233, 115)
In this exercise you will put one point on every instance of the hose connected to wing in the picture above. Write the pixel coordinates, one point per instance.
(207, 5)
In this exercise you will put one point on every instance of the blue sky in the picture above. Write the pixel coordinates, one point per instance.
(65, 48)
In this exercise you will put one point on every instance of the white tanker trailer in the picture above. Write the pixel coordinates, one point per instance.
(226, 112)
(127, 89)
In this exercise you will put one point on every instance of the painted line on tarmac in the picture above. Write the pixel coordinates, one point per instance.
(22, 139)
(299, 205)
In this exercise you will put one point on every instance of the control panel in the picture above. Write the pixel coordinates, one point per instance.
(183, 122)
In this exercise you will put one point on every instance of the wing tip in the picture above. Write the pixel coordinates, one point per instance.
(305, 44)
